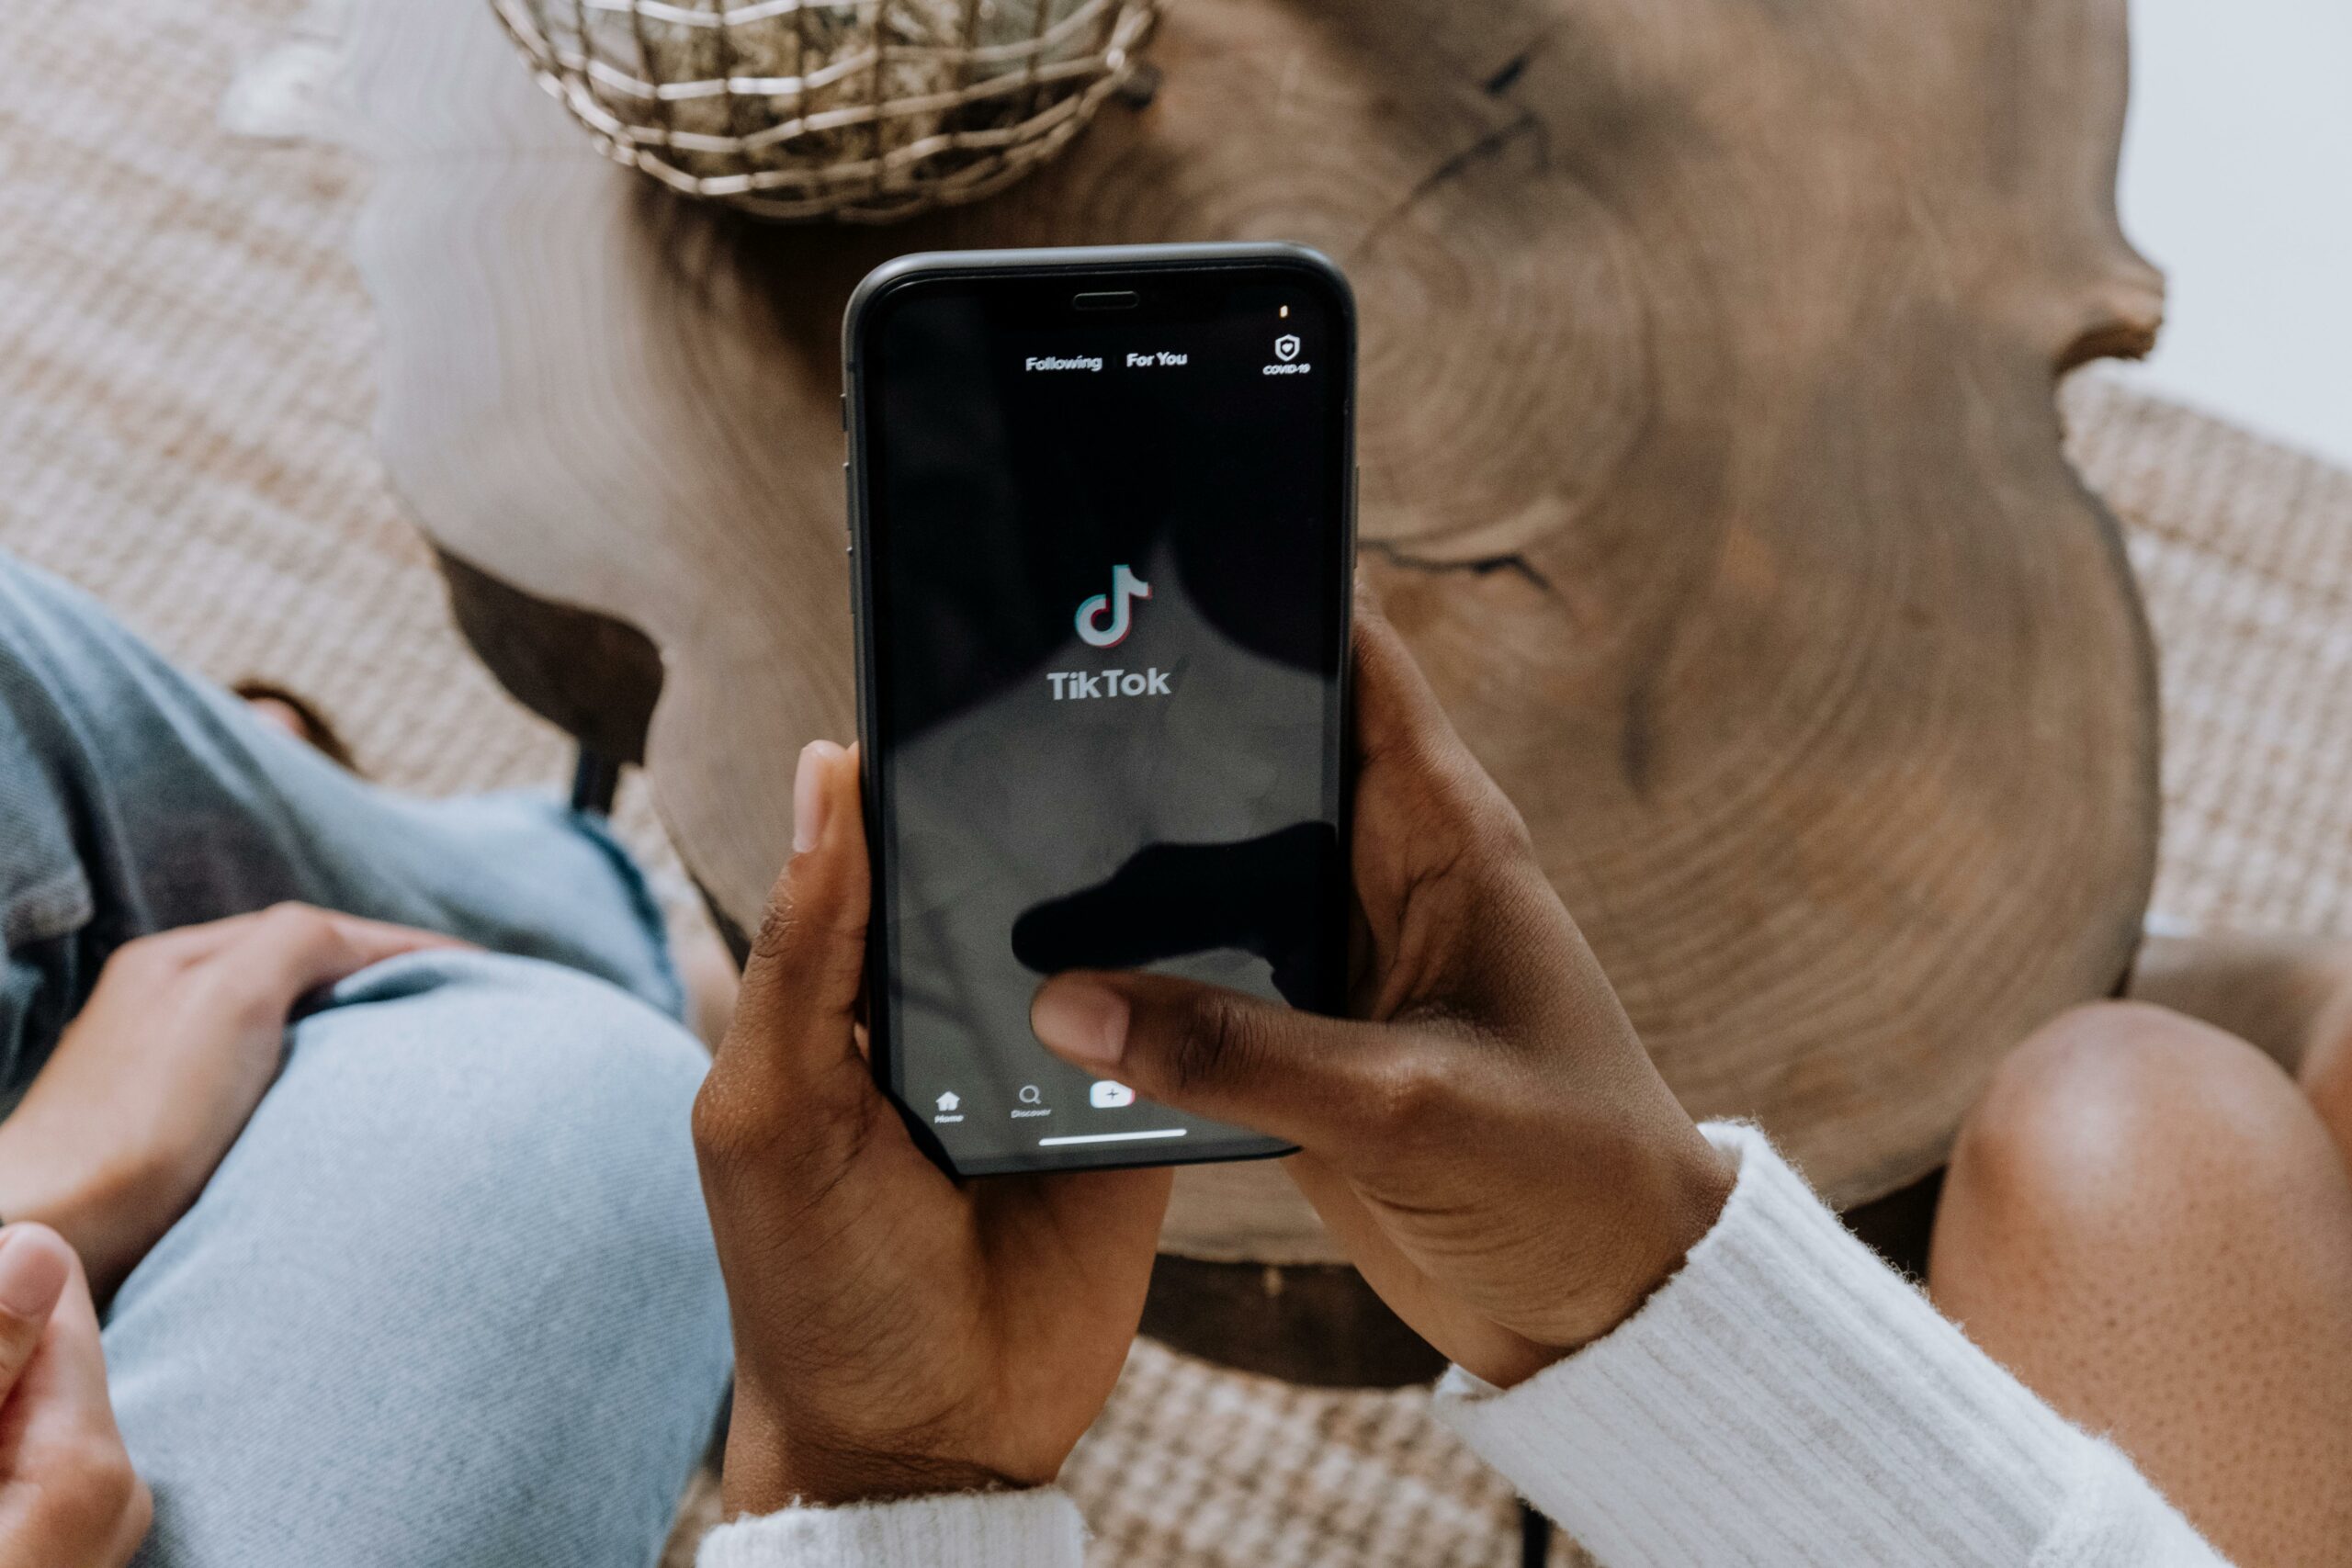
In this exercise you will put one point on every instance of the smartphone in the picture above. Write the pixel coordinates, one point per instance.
(1101, 532)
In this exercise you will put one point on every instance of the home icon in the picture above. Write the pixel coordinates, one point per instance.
(948, 1101)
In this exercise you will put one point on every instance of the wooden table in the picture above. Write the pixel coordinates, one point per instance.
(1710, 465)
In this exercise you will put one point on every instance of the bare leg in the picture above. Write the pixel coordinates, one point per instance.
(2267, 987)
(2327, 1068)
(2291, 996)
(2149, 1224)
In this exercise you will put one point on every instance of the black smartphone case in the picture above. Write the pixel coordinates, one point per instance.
(1105, 265)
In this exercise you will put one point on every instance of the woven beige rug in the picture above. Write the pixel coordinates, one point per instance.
(185, 384)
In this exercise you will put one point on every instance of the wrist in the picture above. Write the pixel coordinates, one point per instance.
(767, 1470)
(1685, 1196)
(83, 1199)
(1669, 1194)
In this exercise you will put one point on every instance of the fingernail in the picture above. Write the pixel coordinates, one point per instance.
(31, 1277)
(1081, 1020)
(809, 796)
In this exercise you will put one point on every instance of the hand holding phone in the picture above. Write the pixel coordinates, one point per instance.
(1490, 1143)
(896, 1331)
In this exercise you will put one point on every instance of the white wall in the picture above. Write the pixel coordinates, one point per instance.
(2237, 181)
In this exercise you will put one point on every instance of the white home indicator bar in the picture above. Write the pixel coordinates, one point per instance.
(1112, 1137)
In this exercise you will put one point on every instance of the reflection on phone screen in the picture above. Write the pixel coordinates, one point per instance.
(1109, 561)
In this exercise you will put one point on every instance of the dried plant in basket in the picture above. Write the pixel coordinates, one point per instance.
(855, 108)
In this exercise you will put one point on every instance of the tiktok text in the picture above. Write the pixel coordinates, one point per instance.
(1075, 684)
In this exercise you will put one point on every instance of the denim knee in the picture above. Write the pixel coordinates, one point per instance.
(533, 1085)
(458, 1253)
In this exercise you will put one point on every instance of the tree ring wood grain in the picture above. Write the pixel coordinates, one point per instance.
(1711, 468)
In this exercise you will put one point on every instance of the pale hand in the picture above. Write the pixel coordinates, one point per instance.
(159, 1072)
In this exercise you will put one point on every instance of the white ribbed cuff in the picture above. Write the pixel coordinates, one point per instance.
(970, 1530)
(1785, 1398)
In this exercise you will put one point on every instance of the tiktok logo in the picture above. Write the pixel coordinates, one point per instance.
(1104, 621)
(1125, 588)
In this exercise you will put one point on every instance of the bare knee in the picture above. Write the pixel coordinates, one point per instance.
(2327, 1068)
(2115, 1112)
(2147, 1224)
(2117, 1082)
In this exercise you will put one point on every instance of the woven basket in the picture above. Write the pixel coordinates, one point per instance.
(866, 109)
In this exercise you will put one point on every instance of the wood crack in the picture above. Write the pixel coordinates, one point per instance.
(1504, 77)
(1526, 123)
(1496, 84)
(1476, 566)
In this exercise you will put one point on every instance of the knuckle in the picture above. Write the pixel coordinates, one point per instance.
(1406, 1096)
(1493, 830)
(810, 948)
(237, 992)
(737, 1125)
(1213, 1042)
(774, 938)
(288, 922)
(789, 939)
(747, 1145)
(721, 1129)
(1461, 820)
(137, 958)
(1510, 827)
(1221, 1040)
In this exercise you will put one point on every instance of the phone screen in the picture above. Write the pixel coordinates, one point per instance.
(1106, 562)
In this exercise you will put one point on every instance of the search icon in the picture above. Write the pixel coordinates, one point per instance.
(1029, 1095)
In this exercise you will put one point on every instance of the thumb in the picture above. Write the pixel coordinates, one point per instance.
(1317, 1082)
(35, 1264)
(62, 1421)
(794, 1020)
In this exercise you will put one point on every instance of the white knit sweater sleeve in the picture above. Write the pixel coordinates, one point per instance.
(973, 1529)
(1786, 1398)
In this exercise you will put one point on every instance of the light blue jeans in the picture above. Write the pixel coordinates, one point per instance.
(451, 1299)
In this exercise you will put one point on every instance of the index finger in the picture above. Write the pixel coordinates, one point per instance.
(1399, 723)
(1394, 708)
(191, 944)
(290, 949)
(1422, 799)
